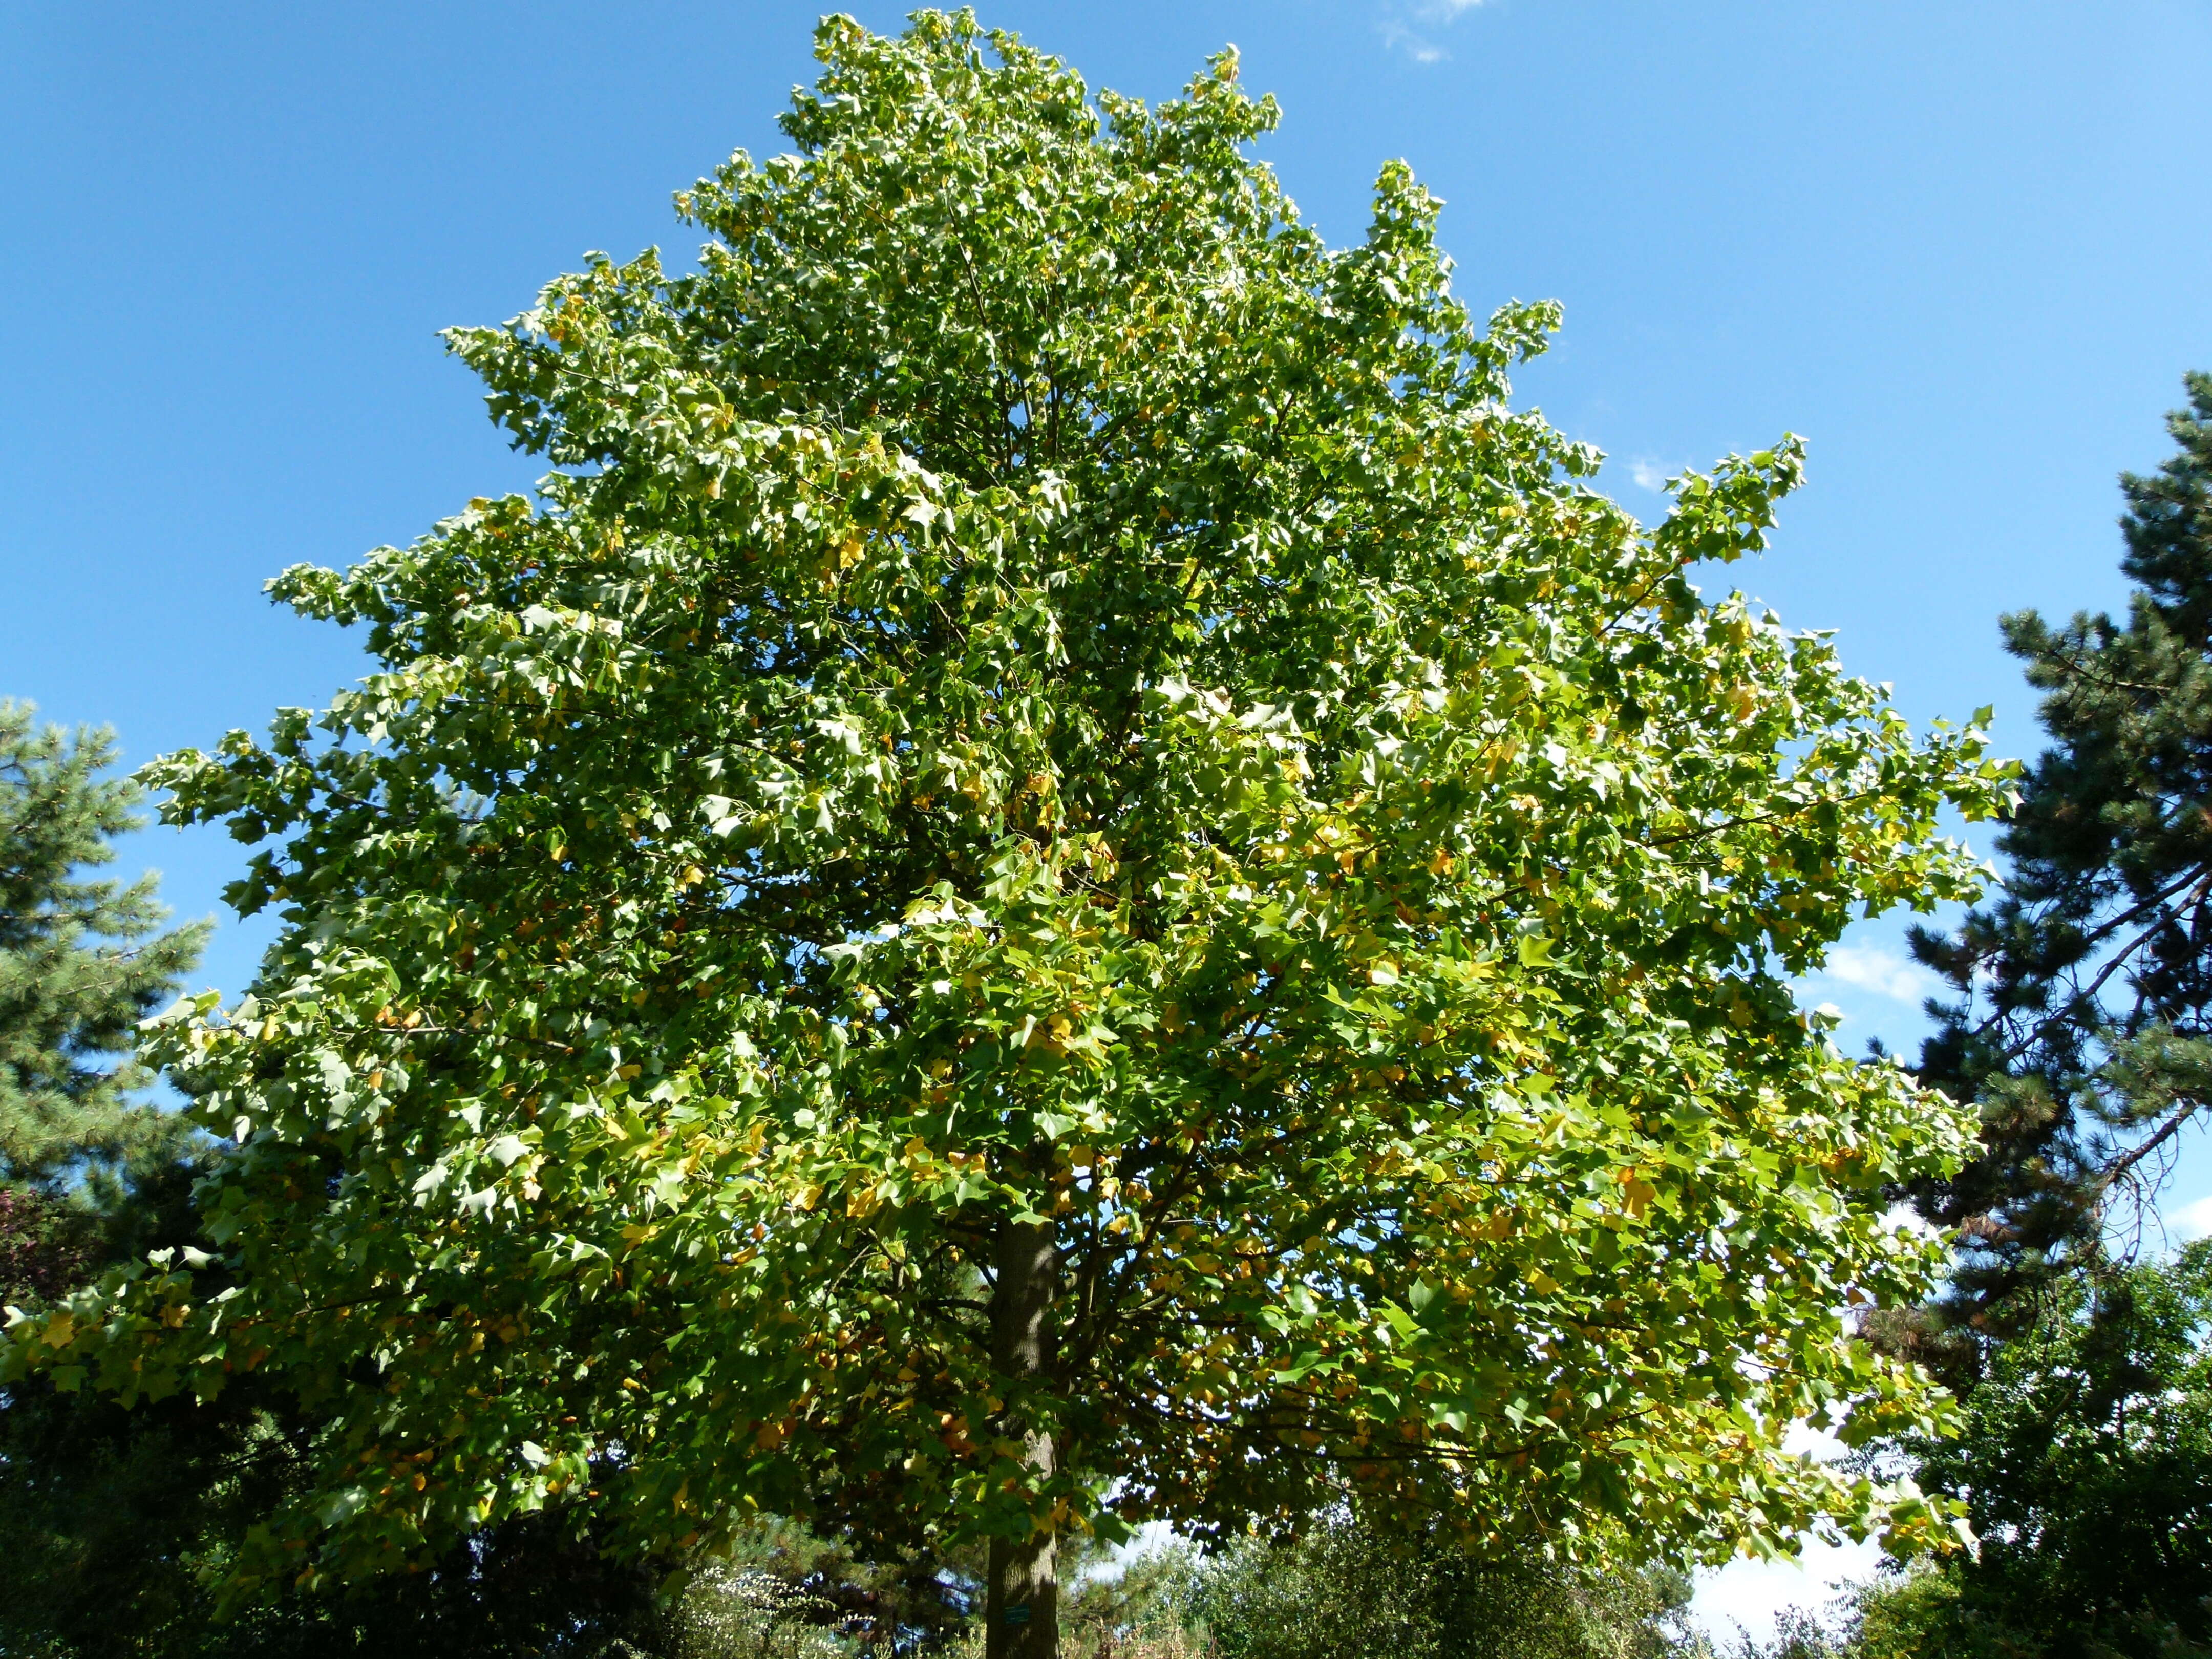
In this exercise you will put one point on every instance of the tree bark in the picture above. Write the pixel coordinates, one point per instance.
(1021, 1603)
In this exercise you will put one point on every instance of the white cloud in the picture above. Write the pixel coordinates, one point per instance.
(1749, 1595)
(1904, 1215)
(2190, 1220)
(1885, 973)
(1417, 47)
(1399, 17)
(1647, 477)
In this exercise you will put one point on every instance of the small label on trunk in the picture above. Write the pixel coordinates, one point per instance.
(1016, 1615)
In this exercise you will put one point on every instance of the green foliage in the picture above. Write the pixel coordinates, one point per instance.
(1145, 1602)
(1345, 1590)
(2086, 1460)
(115, 1525)
(81, 961)
(731, 1612)
(1915, 1614)
(45, 1246)
(109, 1552)
(2083, 1027)
(1799, 1633)
(1043, 703)
(777, 1575)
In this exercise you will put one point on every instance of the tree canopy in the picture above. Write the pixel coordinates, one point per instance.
(1062, 876)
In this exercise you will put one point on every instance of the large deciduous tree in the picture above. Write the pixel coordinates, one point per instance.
(2082, 1028)
(1062, 876)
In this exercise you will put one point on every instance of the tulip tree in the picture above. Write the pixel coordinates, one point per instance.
(1062, 876)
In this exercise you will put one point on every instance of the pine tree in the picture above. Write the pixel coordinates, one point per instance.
(2083, 1023)
(82, 961)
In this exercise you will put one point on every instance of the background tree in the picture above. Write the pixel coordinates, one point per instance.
(117, 1527)
(82, 961)
(1347, 1588)
(2081, 1030)
(1065, 877)
(44, 1248)
(2086, 1459)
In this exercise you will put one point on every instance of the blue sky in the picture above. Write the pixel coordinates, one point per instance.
(1961, 247)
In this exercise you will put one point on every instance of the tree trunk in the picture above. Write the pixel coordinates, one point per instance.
(1021, 1604)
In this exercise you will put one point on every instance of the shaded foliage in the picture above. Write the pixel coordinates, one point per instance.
(45, 1247)
(2085, 1458)
(116, 1526)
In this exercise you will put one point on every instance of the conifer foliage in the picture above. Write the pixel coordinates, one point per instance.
(2083, 1023)
(2085, 1455)
(82, 959)
(1064, 876)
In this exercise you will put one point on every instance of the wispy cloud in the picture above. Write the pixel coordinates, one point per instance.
(1648, 476)
(2190, 1220)
(1870, 968)
(1403, 23)
(1418, 47)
